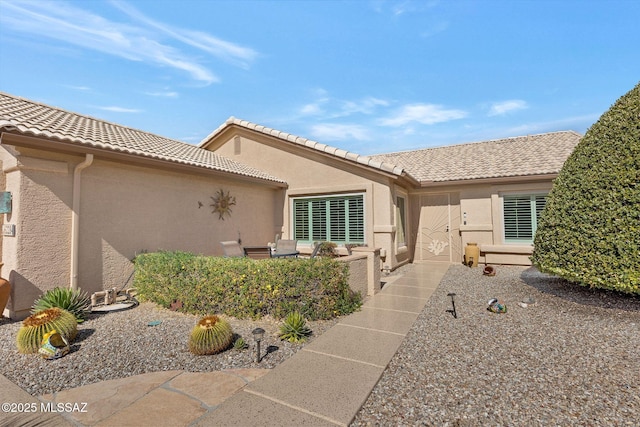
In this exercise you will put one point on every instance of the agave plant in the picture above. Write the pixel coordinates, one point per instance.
(36, 326)
(211, 335)
(294, 328)
(76, 302)
(240, 344)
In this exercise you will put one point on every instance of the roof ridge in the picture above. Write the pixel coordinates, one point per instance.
(488, 141)
(86, 116)
(318, 146)
(38, 119)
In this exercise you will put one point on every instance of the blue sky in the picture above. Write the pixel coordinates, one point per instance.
(366, 76)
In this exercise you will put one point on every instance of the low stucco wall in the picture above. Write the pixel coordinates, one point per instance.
(364, 270)
(506, 254)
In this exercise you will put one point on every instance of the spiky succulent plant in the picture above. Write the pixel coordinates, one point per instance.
(294, 328)
(211, 335)
(240, 344)
(36, 326)
(76, 302)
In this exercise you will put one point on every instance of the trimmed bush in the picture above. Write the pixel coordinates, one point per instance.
(589, 231)
(245, 288)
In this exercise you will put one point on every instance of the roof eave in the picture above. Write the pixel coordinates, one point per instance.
(55, 145)
(490, 180)
(304, 144)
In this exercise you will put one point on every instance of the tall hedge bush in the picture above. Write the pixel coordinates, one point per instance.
(246, 288)
(589, 231)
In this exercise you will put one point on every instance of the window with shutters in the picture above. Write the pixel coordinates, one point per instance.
(521, 214)
(338, 219)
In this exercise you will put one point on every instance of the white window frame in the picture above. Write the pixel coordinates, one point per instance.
(327, 197)
(534, 213)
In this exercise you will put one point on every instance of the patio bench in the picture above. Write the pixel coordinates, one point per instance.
(257, 252)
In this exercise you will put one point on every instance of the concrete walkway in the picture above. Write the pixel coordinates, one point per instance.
(324, 384)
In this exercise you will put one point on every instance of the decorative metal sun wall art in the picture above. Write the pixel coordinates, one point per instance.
(222, 203)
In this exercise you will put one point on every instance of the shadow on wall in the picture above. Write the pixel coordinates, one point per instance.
(27, 292)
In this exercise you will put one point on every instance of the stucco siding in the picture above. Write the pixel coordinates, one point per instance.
(310, 173)
(484, 220)
(124, 209)
(37, 258)
(127, 210)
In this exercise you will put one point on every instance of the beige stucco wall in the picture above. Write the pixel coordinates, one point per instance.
(124, 210)
(37, 257)
(481, 216)
(311, 173)
(308, 173)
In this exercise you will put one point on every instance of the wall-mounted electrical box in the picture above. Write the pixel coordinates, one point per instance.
(5, 202)
(9, 230)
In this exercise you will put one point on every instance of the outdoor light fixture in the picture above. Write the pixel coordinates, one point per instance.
(453, 305)
(258, 333)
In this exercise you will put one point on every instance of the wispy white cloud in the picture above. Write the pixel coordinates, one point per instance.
(331, 108)
(144, 42)
(222, 49)
(115, 109)
(505, 107)
(434, 29)
(339, 132)
(79, 88)
(399, 8)
(316, 107)
(165, 94)
(312, 109)
(577, 123)
(363, 106)
(426, 114)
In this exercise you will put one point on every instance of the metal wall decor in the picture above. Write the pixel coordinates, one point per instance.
(222, 203)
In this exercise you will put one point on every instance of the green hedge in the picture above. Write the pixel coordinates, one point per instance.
(246, 288)
(589, 231)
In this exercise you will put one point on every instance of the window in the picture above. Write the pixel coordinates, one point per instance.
(401, 221)
(338, 219)
(521, 214)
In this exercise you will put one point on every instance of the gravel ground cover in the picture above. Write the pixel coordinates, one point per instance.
(121, 344)
(572, 358)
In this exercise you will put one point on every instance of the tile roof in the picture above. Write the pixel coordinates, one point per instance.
(35, 119)
(510, 157)
(323, 148)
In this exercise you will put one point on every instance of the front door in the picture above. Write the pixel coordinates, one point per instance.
(439, 228)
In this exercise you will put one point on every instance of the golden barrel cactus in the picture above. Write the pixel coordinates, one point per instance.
(211, 335)
(36, 326)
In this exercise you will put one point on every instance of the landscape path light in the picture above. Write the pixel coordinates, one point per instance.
(258, 334)
(453, 304)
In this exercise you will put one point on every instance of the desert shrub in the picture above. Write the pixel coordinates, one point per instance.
(76, 302)
(589, 231)
(327, 249)
(246, 288)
